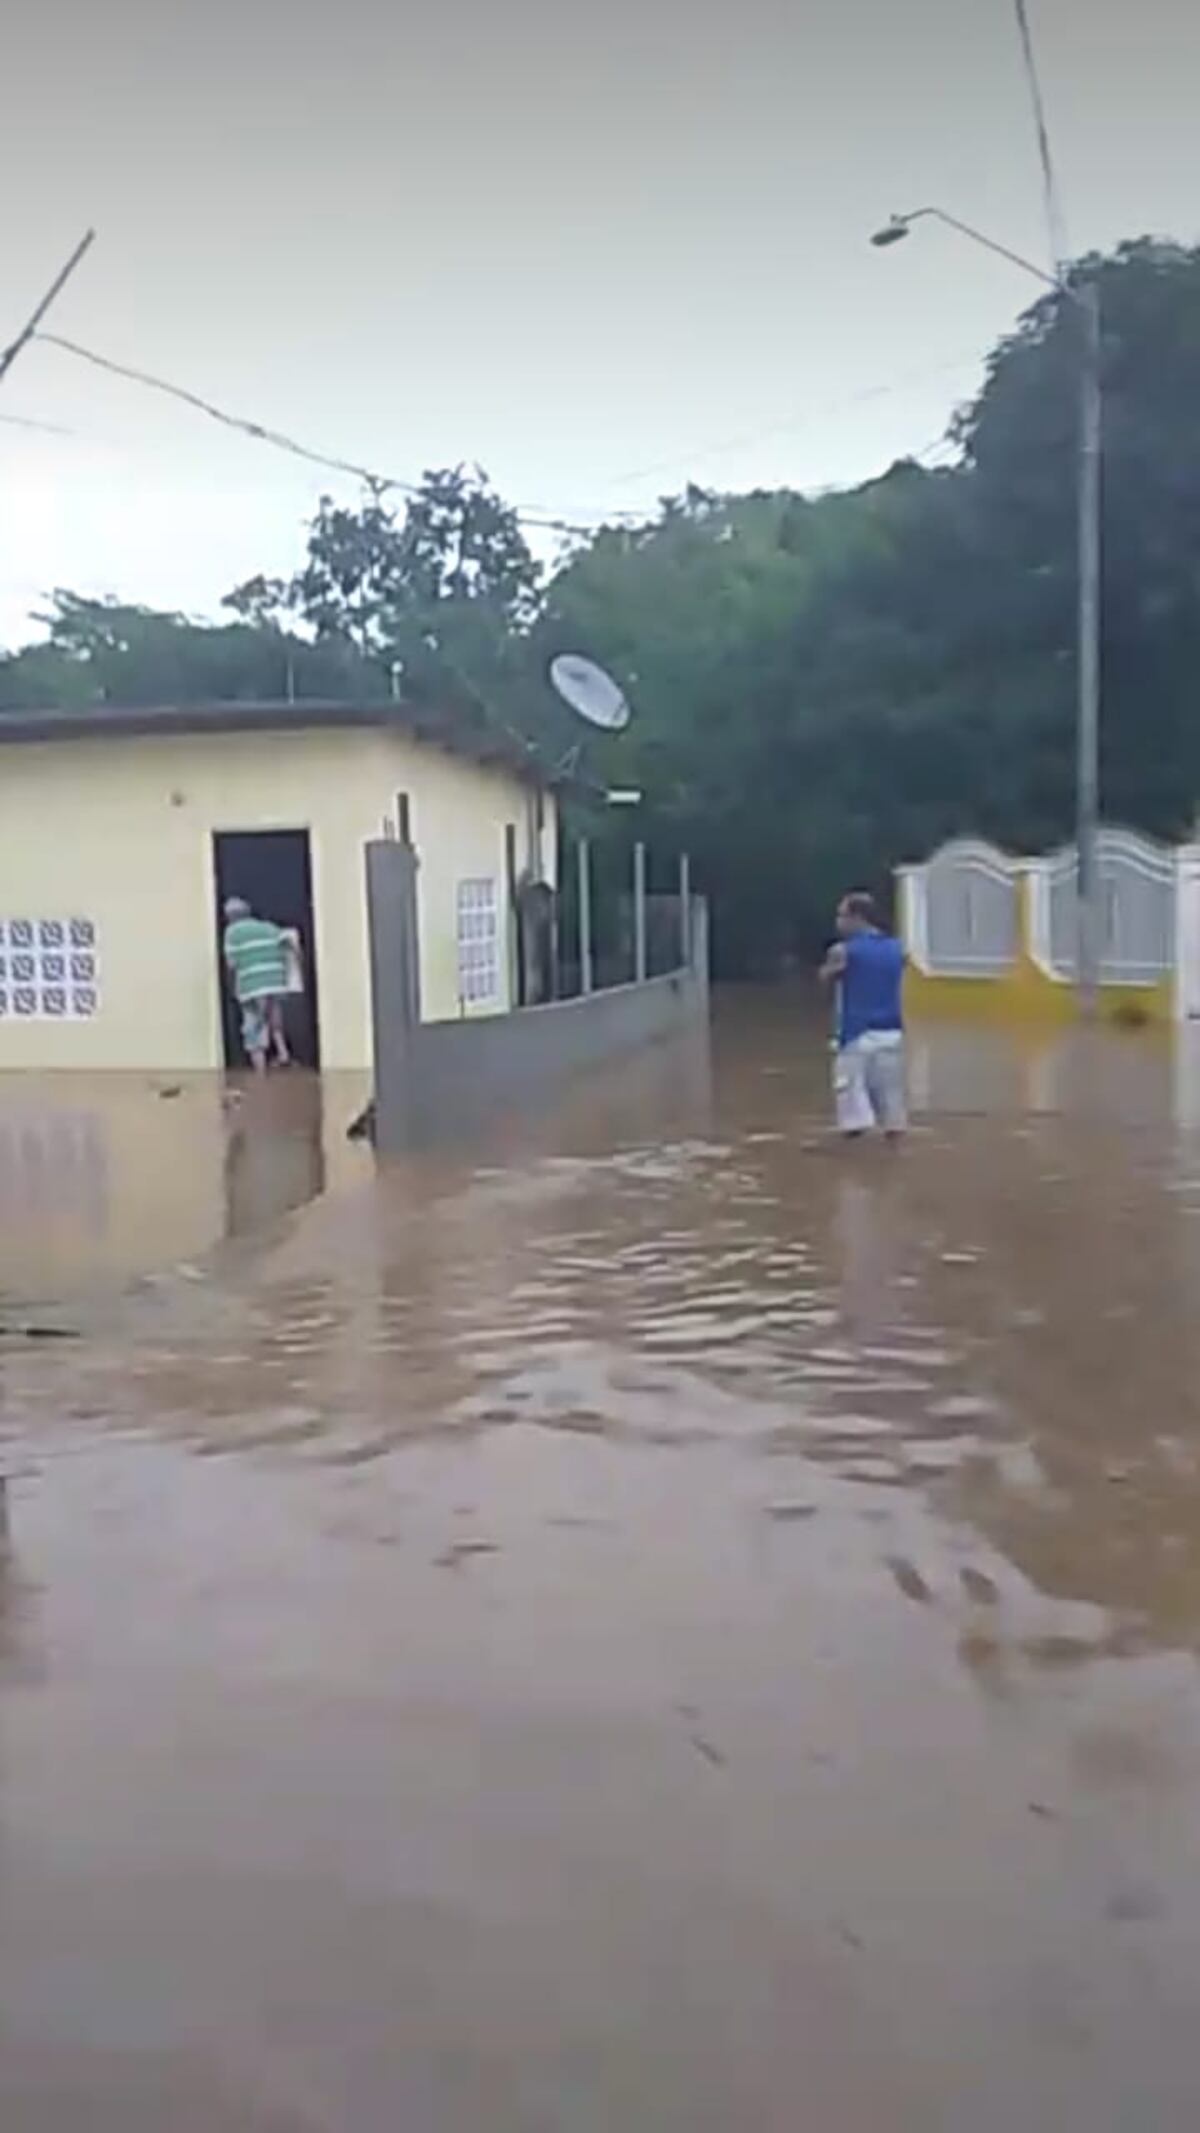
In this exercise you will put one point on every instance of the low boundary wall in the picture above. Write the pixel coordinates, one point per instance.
(434, 1080)
(992, 934)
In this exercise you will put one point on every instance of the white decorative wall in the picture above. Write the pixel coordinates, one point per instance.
(959, 911)
(1138, 890)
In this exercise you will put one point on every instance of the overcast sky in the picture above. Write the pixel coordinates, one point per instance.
(601, 249)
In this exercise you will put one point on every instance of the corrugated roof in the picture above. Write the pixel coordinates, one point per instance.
(441, 729)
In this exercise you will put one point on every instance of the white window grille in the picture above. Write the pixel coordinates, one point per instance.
(478, 942)
(49, 969)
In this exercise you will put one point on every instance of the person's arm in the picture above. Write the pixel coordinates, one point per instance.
(834, 966)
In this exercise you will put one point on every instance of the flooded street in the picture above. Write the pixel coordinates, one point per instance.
(651, 1624)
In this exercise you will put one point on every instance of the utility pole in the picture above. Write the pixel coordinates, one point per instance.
(1087, 767)
(9, 355)
(1083, 300)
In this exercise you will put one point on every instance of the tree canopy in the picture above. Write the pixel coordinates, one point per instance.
(822, 685)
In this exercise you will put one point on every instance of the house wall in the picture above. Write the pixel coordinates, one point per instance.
(458, 814)
(119, 831)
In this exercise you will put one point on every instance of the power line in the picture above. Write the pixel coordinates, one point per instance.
(377, 483)
(804, 421)
(1055, 224)
(10, 354)
(30, 422)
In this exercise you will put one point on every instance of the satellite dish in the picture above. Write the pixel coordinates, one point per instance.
(590, 692)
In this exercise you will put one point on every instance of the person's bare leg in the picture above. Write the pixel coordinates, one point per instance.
(278, 1035)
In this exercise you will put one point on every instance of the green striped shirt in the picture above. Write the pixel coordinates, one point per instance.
(256, 953)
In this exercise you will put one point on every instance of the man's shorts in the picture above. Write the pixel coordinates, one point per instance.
(869, 1083)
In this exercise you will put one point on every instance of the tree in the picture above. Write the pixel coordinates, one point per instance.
(827, 686)
(454, 570)
(1019, 441)
(349, 587)
(107, 651)
(822, 686)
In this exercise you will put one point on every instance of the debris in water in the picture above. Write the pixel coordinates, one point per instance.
(1135, 1903)
(461, 1552)
(41, 1333)
(707, 1749)
(909, 1579)
(978, 1586)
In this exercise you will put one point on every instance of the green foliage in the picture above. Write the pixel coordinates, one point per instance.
(104, 651)
(823, 686)
(827, 686)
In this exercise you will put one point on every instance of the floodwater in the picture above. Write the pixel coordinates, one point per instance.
(651, 1624)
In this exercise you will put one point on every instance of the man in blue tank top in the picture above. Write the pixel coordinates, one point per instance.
(866, 963)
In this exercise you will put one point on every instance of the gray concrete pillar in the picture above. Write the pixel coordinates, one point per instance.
(698, 948)
(395, 982)
(685, 910)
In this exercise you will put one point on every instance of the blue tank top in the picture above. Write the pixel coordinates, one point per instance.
(869, 996)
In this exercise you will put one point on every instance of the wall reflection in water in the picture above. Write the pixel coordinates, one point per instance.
(110, 1176)
(274, 1152)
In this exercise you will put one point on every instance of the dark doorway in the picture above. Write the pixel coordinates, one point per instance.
(272, 871)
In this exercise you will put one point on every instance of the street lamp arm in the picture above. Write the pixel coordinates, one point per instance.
(900, 225)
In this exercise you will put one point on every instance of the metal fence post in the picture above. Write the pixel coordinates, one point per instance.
(586, 976)
(639, 912)
(685, 909)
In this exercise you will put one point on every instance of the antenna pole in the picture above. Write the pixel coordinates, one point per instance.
(9, 356)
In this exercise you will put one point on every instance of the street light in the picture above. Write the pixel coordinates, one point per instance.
(1086, 306)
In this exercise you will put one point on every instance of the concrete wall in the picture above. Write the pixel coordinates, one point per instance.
(118, 830)
(992, 936)
(437, 1079)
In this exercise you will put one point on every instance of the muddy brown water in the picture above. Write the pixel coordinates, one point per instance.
(649, 1624)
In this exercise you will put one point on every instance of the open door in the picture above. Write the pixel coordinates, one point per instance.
(271, 870)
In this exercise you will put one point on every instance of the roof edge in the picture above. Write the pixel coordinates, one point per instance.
(429, 727)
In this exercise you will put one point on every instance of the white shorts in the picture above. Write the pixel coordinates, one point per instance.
(868, 1083)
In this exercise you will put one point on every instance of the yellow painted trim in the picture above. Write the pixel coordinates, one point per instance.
(1025, 993)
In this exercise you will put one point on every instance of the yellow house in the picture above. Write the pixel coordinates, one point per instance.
(122, 832)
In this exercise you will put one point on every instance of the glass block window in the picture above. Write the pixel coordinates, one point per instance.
(478, 943)
(49, 969)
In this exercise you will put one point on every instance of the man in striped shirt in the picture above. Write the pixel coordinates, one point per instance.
(256, 957)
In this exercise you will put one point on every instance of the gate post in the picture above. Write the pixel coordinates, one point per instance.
(586, 969)
(395, 983)
(1187, 933)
